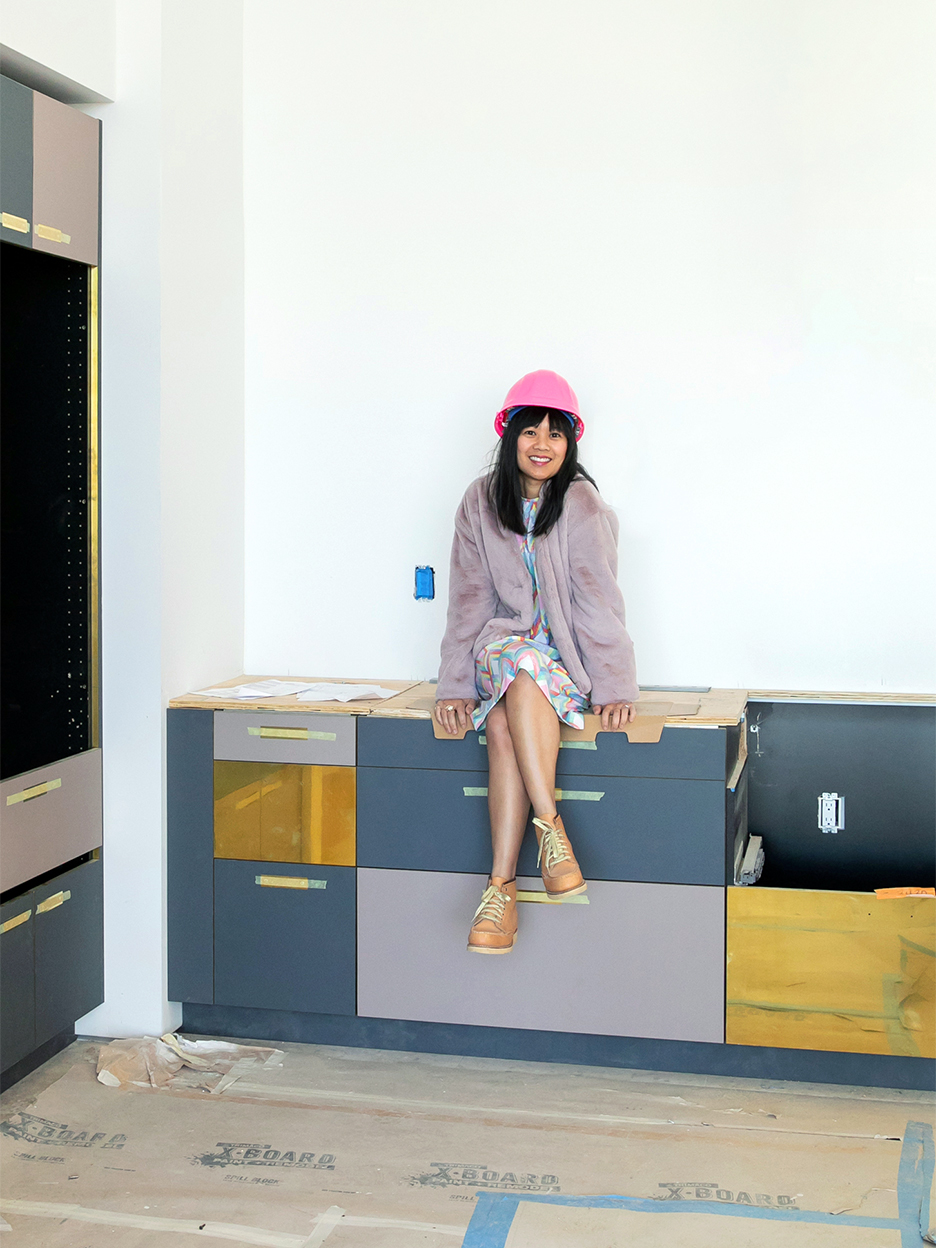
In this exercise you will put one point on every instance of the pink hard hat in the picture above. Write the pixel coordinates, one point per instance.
(541, 389)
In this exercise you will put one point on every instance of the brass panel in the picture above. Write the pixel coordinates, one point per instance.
(12, 222)
(285, 812)
(94, 579)
(848, 972)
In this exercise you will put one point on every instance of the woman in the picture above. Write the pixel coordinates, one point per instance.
(535, 631)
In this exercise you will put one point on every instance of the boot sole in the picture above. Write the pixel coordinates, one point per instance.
(569, 892)
(485, 949)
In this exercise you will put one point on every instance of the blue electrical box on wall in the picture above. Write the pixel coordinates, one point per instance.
(425, 584)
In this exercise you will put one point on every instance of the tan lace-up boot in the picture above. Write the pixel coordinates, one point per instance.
(494, 926)
(561, 874)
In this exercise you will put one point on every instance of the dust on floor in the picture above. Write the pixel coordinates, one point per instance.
(357, 1148)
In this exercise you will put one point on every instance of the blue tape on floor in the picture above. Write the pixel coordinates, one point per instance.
(494, 1212)
(914, 1177)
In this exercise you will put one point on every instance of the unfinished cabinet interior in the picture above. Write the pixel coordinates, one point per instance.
(818, 969)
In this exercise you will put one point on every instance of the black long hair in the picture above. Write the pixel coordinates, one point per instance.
(505, 490)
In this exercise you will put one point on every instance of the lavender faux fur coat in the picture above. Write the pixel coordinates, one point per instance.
(491, 594)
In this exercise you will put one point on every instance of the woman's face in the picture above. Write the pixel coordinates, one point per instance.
(540, 452)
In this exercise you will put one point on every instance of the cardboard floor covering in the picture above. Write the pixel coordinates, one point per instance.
(372, 1149)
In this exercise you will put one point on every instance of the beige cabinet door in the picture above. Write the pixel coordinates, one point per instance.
(66, 168)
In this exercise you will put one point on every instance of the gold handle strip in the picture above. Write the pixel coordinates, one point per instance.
(37, 790)
(288, 881)
(15, 922)
(292, 734)
(525, 895)
(53, 902)
(562, 795)
(52, 235)
(20, 224)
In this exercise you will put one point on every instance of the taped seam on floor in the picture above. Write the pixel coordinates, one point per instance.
(210, 1230)
(324, 1226)
(494, 1212)
(610, 1120)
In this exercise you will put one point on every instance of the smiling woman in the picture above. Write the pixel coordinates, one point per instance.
(535, 632)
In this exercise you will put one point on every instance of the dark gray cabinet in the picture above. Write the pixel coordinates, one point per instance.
(52, 963)
(16, 162)
(285, 936)
(622, 827)
(17, 980)
(69, 930)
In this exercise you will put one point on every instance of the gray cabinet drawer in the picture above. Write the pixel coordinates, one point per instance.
(17, 981)
(48, 817)
(284, 936)
(638, 960)
(16, 162)
(69, 918)
(274, 737)
(681, 753)
(622, 827)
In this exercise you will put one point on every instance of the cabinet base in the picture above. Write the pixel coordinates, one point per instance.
(678, 1056)
(32, 1061)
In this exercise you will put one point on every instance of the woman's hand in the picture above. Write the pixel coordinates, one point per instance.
(454, 713)
(614, 715)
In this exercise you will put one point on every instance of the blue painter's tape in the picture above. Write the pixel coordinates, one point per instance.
(494, 1212)
(490, 1222)
(914, 1177)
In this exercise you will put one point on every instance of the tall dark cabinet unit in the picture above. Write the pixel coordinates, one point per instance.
(51, 905)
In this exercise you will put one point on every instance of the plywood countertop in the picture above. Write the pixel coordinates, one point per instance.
(717, 708)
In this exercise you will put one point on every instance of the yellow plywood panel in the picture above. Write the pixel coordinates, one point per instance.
(273, 812)
(852, 972)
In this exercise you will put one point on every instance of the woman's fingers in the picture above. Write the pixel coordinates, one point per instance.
(614, 715)
(455, 715)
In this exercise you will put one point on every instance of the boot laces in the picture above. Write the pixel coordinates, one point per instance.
(493, 904)
(553, 844)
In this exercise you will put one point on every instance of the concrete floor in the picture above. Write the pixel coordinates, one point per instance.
(387, 1150)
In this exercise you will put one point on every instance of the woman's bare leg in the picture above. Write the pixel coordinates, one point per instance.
(534, 733)
(508, 803)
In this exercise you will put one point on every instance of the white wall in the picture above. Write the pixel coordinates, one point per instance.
(172, 455)
(715, 220)
(67, 47)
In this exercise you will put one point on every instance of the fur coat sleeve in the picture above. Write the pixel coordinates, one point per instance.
(472, 602)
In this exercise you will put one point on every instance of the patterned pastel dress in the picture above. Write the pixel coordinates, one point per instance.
(498, 663)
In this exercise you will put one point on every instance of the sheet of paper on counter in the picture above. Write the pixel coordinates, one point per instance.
(327, 692)
(259, 689)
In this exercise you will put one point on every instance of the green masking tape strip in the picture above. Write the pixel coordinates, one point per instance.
(537, 895)
(562, 795)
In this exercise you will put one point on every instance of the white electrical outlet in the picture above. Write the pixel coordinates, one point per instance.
(831, 812)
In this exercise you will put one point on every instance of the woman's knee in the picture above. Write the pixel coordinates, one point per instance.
(496, 728)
